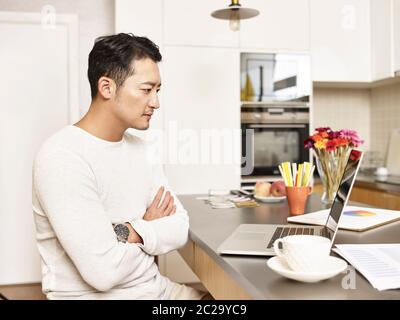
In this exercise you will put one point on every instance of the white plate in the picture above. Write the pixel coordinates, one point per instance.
(333, 268)
(270, 199)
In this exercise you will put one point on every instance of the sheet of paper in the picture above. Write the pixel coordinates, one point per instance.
(353, 218)
(228, 201)
(379, 263)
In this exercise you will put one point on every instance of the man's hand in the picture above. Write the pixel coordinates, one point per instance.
(134, 237)
(157, 210)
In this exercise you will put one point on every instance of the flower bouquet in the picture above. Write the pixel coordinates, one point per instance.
(332, 149)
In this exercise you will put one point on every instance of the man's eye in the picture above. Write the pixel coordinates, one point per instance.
(147, 90)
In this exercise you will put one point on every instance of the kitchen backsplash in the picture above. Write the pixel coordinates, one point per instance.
(372, 112)
(385, 115)
(344, 108)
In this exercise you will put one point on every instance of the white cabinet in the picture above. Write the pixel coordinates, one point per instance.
(190, 23)
(340, 40)
(202, 118)
(142, 18)
(175, 268)
(381, 39)
(281, 25)
(396, 36)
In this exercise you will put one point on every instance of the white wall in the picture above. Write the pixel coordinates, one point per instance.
(96, 18)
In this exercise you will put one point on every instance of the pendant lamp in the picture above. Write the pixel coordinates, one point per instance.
(234, 13)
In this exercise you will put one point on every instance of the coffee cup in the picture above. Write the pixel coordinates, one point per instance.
(304, 253)
(297, 199)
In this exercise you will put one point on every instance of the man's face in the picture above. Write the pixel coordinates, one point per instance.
(137, 98)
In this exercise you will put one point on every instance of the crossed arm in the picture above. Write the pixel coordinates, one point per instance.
(102, 261)
(157, 209)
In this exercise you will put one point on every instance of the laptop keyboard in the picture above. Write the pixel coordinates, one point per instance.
(281, 232)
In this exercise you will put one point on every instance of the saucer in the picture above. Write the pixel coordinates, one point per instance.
(333, 268)
(270, 199)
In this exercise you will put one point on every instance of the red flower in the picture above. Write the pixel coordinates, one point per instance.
(331, 145)
(324, 135)
(323, 129)
(334, 134)
(309, 143)
(341, 142)
(316, 137)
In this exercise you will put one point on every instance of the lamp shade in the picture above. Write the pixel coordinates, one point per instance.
(240, 12)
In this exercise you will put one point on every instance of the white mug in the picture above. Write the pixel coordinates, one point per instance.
(304, 253)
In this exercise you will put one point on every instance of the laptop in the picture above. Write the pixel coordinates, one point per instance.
(258, 239)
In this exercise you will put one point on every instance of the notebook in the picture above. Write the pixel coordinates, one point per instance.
(353, 218)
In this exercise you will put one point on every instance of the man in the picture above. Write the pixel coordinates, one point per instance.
(102, 210)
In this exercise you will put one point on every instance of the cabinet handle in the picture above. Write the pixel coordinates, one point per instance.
(277, 126)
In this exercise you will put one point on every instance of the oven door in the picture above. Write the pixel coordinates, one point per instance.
(272, 144)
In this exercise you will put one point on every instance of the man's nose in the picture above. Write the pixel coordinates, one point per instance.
(154, 102)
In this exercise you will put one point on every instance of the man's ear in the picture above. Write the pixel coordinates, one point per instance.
(106, 87)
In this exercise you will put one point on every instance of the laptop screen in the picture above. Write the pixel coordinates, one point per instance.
(343, 193)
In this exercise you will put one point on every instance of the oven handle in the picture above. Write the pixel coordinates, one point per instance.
(255, 126)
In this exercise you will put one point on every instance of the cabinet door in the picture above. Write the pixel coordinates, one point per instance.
(281, 25)
(379, 199)
(191, 23)
(396, 36)
(381, 37)
(40, 96)
(142, 18)
(202, 118)
(340, 40)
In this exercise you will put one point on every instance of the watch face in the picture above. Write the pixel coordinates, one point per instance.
(122, 232)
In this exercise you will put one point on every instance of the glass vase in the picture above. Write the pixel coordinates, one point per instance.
(330, 166)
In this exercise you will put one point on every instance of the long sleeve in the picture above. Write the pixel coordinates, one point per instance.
(66, 189)
(168, 233)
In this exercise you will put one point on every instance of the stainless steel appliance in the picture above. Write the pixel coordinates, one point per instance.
(273, 133)
(275, 95)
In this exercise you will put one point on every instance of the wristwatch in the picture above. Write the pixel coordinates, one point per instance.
(122, 232)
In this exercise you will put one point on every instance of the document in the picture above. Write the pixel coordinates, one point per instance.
(353, 218)
(379, 263)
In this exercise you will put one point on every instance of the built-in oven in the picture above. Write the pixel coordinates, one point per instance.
(273, 133)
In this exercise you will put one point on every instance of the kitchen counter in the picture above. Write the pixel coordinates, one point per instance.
(247, 277)
(368, 180)
(380, 192)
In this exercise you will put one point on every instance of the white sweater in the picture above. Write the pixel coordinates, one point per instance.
(81, 186)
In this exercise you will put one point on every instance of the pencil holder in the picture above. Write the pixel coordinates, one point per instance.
(297, 199)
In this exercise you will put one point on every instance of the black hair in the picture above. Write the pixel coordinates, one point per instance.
(113, 56)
